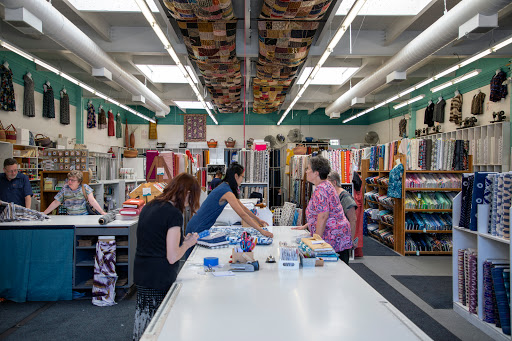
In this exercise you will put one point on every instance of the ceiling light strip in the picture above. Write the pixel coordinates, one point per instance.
(71, 79)
(144, 7)
(347, 21)
(409, 101)
(439, 75)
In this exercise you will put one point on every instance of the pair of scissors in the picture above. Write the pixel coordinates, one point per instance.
(247, 243)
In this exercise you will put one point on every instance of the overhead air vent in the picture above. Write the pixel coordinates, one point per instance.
(102, 74)
(138, 98)
(334, 115)
(396, 77)
(478, 25)
(24, 21)
(357, 100)
(160, 114)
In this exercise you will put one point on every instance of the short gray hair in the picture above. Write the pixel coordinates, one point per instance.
(334, 177)
(321, 165)
(76, 174)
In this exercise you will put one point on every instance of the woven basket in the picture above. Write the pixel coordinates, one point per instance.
(42, 140)
(130, 153)
(212, 143)
(2, 133)
(10, 134)
(230, 143)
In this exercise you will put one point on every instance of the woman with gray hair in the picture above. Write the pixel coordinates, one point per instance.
(324, 213)
(347, 202)
(73, 198)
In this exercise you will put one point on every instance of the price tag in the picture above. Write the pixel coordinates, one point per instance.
(160, 171)
(146, 191)
(424, 230)
(417, 253)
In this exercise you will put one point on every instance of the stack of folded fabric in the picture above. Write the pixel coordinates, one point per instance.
(319, 247)
(428, 221)
(214, 241)
(234, 234)
(131, 208)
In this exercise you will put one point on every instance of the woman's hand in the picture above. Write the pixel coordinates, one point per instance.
(261, 222)
(191, 239)
(303, 227)
(267, 234)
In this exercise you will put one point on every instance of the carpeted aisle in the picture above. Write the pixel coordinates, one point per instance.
(371, 247)
(435, 290)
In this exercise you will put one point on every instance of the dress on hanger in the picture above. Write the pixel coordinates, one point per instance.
(498, 90)
(64, 108)
(439, 111)
(111, 127)
(102, 119)
(429, 115)
(456, 109)
(7, 100)
(48, 102)
(91, 116)
(119, 129)
(28, 97)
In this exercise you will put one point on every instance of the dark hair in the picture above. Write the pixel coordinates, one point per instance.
(176, 191)
(234, 168)
(219, 172)
(321, 165)
(9, 162)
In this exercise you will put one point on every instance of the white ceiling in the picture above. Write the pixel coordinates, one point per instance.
(129, 40)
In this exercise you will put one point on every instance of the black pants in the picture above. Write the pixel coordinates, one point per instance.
(344, 255)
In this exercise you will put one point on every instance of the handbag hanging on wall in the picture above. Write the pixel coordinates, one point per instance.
(91, 210)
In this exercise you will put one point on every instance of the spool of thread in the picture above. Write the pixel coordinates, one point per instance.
(211, 261)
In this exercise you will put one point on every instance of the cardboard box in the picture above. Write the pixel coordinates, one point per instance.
(242, 257)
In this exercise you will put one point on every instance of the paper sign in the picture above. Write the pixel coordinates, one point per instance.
(146, 191)
(317, 242)
(160, 171)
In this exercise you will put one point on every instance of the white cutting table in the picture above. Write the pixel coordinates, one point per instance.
(327, 303)
(70, 220)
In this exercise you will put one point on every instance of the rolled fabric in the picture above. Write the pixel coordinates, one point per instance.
(107, 218)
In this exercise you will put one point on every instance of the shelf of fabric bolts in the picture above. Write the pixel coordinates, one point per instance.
(434, 189)
(428, 231)
(428, 252)
(387, 224)
(447, 210)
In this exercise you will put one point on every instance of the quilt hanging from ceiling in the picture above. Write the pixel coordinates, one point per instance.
(294, 9)
(200, 9)
(269, 95)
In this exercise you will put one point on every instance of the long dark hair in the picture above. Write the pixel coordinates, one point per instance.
(176, 191)
(234, 168)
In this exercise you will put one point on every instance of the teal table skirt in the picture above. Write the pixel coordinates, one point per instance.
(36, 264)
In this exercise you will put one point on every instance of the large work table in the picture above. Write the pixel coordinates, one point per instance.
(322, 303)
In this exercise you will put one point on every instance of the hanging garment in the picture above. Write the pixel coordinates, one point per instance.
(105, 276)
(498, 90)
(429, 115)
(456, 109)
(111, 127)
(64, 108)
(152, 131)
(402, 128)
(28, 97)
(102, 119)
(48, 102)
(119, 128)
(439, 111)
(7, 101)
(477, 105)
(91, 116)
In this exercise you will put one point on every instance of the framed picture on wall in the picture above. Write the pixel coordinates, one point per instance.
(194, 127)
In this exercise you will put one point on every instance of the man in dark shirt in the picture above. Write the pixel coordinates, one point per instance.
(14, 186)
(216, 180)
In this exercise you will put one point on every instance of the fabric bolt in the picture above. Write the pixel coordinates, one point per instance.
(467, 195)
(477, 104)
(498, 89)
(460, 274)
(148, 302)
(102, 119)
(488, 197)
(456, 109)
(473, 287)
(48, 102)
(119, 128)
(91, 116)
(64, 108)
(429, 115)
(105, 276)
(507, 189)
(395, 181)
(111, 124)
(29, 107)
(499, 205)
(439, 111)
(7, 98)
(13, 212)
(494, 207)
(488, 304)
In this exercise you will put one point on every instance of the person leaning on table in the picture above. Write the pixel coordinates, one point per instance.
(14, 186)
(324, 213)
(160, 245)
(72, 196)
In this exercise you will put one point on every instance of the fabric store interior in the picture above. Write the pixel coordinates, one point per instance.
(253, 152)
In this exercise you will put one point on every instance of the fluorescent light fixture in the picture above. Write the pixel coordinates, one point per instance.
(502, 44)
(143, 5)
(165, 73)
(109, 6)
(409, 101)
(423, 83)
(456, 80)
(328, 75)
(447, 71)
(189, 105)
(475, 57)
(378, 105)
(391, 99)
(386, 8)
(69, 78)
(405, 92)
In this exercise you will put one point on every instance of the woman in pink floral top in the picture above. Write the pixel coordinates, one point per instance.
(324, 213)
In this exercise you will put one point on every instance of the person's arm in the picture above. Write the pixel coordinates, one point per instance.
(321, 221)
(352, 219)
(174, 250)
(302, 227)
(52, 206)
(28, 201)
(95, 204)
(238, 207)
(253, 216)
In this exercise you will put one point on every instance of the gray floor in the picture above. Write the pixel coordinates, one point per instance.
(80, 320)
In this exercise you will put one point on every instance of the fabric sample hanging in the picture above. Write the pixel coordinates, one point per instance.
(91, 116)
(153, 135)
(429, 115)
(439, 111)
(102, 119)
(7, 100)
(477, 105)
(105, 276)
(395, 181)
(119, 128)
(111, 124)
(29, 108)
(498, 90)
(456, 109)
(48, 101)
(64, 108)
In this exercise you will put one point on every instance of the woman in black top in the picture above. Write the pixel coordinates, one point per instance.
(161, 244)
